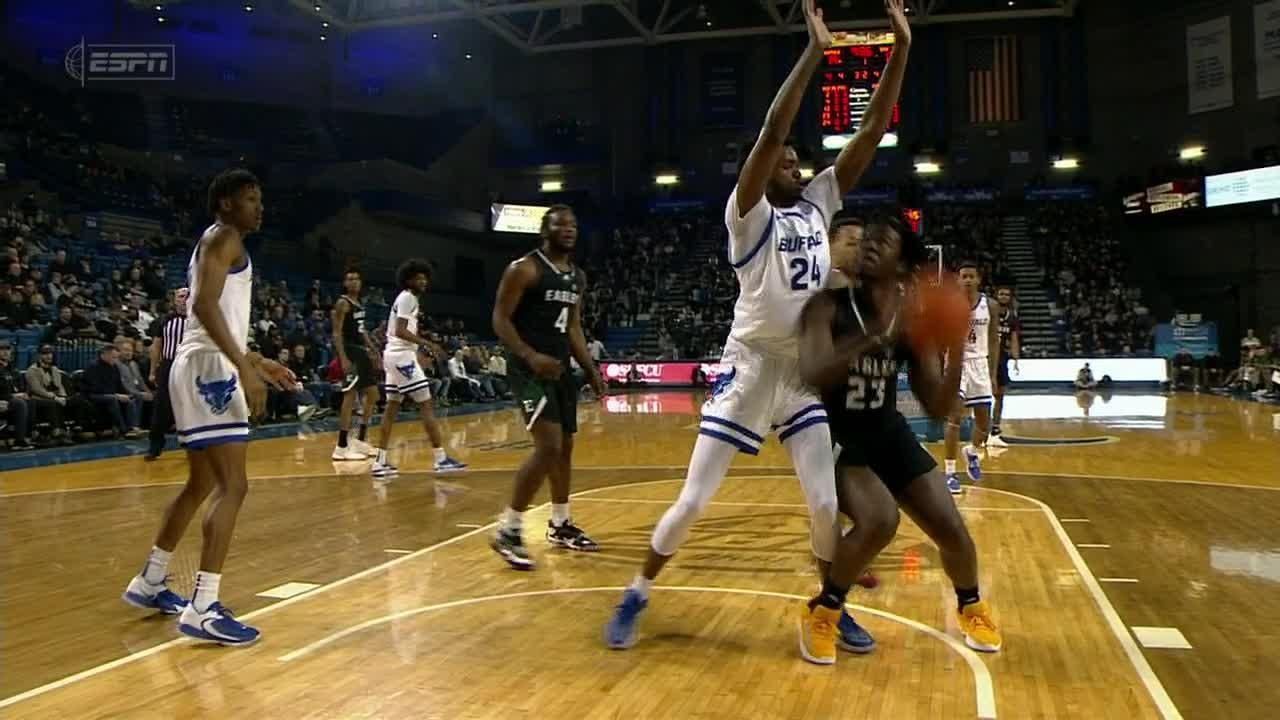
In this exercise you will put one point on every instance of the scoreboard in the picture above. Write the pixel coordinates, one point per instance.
(851, 71)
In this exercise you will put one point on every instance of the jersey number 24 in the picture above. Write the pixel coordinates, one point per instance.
(805, 270)
(859, 399)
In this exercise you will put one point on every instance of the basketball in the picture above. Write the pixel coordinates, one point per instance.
(941, 315)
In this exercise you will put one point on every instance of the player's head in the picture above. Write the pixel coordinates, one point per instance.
(352, 282)
(970, 275)
(846, 244)
(180, 297)
(784, 186)
(235, 198)
(1004, 294)
(414, 275)
(892, 249)
(560, 228)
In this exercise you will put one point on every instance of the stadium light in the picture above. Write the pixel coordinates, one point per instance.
(1066, 164)
(806, 173)
(160, 19)
(549, 186)
(324, 38)
(248, 8)
(925, 167)
(667, 179)
(1191, 152)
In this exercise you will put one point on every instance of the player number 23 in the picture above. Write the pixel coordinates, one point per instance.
(805, 270)
(858, 397)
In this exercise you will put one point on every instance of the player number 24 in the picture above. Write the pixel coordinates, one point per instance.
(858, 398)
(803, 271)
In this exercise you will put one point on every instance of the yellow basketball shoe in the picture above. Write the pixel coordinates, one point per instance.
(980, 631)
(818, 634)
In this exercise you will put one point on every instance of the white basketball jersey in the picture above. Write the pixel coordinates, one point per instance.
(782, 257)
(405, 306)
(977, 345)
(237, 295)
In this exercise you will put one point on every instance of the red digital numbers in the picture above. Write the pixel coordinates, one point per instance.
(851, 74)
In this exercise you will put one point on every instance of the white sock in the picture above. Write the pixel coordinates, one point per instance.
(642, 585)
(559, 513)
(382, 457)
(512, 520)
(950, 465)
(206, 590)
(157, 566)
(440, 454)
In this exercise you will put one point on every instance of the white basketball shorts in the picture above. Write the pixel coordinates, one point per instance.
(405, 376)
(975, 382)
(209, 405)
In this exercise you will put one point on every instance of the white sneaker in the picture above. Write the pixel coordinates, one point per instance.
(384, 470)
(362, 446)
(305, 412)
(997, 441)
(348, 453)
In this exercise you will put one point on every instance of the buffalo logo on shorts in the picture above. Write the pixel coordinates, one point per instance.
(723, 382)
(217, 393)
(407, 370)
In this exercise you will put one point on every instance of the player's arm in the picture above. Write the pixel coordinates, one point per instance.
(516, 279)
(578, 343)
(400, 328)
(855, 157)
(340, 310)
(769, 145)
(824, 361)
(1015, 340)
(935, 382)
(154, 352)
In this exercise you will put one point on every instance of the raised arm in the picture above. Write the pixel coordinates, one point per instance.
(855, 157)
(769, 146)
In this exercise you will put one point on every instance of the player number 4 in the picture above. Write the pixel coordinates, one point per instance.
(858, 397)
(562, 322)
(805, 270)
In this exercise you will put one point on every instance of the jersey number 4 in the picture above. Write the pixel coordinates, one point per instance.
(562, 322)
(858, 397)
(805, 270)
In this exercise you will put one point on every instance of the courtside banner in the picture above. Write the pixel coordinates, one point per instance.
(673, 373)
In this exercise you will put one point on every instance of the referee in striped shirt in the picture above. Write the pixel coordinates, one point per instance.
(166, 335)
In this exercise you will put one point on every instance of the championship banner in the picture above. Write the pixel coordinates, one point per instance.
(722, 90)
(1266, 39)
(1186, 332)
(1209, 65)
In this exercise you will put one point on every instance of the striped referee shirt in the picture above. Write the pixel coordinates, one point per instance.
(171, 336)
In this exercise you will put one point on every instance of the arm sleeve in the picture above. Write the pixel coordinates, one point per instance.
(746, 232)
(823, 192)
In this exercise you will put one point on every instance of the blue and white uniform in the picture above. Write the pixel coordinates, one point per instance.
(400, 358)
(782, 258)
(975, 375)
(209, 404)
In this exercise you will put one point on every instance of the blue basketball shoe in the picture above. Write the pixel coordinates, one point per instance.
(621, 631)
(216, 624)
(853, 637)
(144, 595)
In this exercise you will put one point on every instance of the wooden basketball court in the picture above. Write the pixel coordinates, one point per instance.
(1157, 513)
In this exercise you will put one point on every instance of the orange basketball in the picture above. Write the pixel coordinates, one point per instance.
(940, 317)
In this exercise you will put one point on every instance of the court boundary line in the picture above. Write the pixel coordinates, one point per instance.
(1159, 695)
(294, 476)
(646, 501)
(984, 686)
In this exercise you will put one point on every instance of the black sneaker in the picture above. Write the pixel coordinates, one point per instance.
(510, 545)
(570, 536)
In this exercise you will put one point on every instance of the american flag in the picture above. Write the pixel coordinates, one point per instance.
(995, 92)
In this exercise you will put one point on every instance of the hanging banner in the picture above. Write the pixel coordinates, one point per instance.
(1209, 65)
(1266, 46)
(722, 90)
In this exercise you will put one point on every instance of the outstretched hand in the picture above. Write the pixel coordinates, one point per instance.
(897, 12)
(819, 35)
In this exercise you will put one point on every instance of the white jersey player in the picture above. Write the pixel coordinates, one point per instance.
(977, 378)
(215, 384)
(779, 248)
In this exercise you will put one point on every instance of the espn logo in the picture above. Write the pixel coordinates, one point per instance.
(93, 62)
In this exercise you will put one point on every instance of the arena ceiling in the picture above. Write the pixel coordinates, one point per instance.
(543, 26)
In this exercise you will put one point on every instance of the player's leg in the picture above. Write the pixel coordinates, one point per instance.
(508, 540)
(149, 589)
(382, 467)
(426, 410)
(951, 438)
(928, 503)
(734, 418)
(875, 522)
(561, 530)
(344, 451)
(1002, 383)
(977, 389)
(205, 618)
